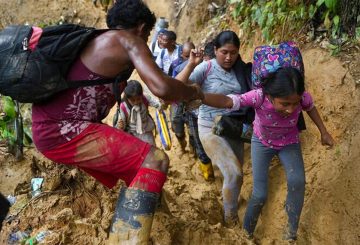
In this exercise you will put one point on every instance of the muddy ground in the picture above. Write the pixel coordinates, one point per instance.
(78, 210)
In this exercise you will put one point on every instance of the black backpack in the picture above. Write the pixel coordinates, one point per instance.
(34, 76)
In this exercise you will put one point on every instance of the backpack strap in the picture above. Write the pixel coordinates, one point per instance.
(153, 47)
(208, 68)
(124, 109)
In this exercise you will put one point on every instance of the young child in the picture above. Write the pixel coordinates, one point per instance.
(132, 114)
(277, 107)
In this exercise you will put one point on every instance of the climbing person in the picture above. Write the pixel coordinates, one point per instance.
(67, 128)
(218, 76)
(177, 108)
(132, 114)
(277, 106)
(209, 52)
(157, 46)
(170, 52)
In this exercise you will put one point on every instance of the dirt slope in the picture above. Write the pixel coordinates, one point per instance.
(77, 210)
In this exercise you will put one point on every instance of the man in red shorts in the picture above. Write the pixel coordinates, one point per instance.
(67, 129)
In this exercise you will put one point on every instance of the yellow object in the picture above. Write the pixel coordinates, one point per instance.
(163, 129)
(207, 170)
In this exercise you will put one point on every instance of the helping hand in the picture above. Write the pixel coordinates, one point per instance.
(327, 139)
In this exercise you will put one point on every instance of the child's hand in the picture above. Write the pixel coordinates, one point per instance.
(327, 139)
(121, 124)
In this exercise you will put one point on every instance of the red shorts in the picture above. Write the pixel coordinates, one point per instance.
(106, 153)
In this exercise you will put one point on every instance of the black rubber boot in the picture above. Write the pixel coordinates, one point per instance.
(4, 208)
(133, 217)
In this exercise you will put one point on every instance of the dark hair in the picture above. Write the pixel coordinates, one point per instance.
(170, 34)
(284, 82)
(209, 49)
(226, 37)
(128, 14)
(133, 88)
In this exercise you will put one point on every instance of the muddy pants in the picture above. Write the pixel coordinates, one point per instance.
(221, 154)
(291, 158)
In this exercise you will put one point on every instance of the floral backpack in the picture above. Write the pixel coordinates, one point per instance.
(268, 59)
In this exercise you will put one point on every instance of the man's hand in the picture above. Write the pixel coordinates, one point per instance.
(327, 139)
(121, 124)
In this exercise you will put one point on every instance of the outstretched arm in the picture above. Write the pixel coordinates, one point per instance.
(160, 84)
(218, 100)
(326, 138)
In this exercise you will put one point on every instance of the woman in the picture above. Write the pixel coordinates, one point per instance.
(218, 76)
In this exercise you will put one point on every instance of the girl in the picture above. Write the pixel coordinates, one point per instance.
(277, 107)
(132, 114)
(218, 76)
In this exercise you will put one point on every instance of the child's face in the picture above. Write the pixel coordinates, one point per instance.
(286, 105)
(135, 100)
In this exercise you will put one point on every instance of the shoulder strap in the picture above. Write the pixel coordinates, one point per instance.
(162, 54)
(124, 109)
(153, 46)
(180, 48)
(208, 68)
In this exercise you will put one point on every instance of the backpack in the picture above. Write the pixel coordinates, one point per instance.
(32, 75)
(268, 59)
(162, 54)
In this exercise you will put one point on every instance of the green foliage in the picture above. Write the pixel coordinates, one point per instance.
(7, 119)
(269, 16)
(275, 18)
(330, 17)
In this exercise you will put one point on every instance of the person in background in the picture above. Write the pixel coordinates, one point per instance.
(132, 114)
(157, 46)
(171, 51)
(68, 128)
(218, 76)
(209, 52)
(191, 117)
(277, 108)
(177, 108)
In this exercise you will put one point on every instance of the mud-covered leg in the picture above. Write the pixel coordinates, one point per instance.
(136, 205)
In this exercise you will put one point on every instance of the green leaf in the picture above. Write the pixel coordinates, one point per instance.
(331, 5)
(8, 106)
(336, 21)
(319, 3)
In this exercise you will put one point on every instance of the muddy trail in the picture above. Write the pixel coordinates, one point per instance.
(76, 209)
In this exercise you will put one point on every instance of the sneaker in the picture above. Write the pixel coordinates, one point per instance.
(207, 170)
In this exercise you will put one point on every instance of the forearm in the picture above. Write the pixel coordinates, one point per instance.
(218, 101)
(315, 117)
(184, 75)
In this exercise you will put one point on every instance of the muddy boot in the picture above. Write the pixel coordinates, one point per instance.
(207, 170)
(133, 217)
(231, 220)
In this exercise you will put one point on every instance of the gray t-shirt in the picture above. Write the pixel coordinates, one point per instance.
(212, 78)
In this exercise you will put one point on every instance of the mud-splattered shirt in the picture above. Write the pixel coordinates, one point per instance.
(68, 113)
(213, 79)
(272, 128)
